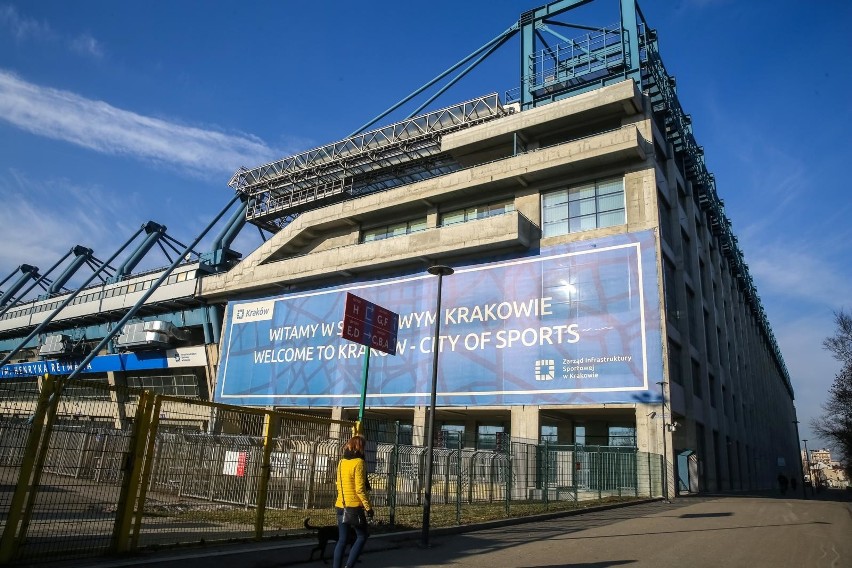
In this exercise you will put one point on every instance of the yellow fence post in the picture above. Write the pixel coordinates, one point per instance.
(127, 501)
(145, 480)
(265, 471)
(18, 516)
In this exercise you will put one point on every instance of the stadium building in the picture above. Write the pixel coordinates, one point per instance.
(597, 296)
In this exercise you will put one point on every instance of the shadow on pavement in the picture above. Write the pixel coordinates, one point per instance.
(585, 564)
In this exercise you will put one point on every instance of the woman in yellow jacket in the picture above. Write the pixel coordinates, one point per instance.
(351, 492)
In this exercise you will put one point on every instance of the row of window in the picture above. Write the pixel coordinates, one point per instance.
(94, 296)
(588, 206)
(449, 218)
(186, 386)
(494, 437)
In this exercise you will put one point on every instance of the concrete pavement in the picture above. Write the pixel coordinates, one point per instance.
(705, 531)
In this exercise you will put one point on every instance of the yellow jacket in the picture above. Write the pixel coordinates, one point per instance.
(352, 484)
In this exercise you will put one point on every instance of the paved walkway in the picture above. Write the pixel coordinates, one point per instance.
(707, 531)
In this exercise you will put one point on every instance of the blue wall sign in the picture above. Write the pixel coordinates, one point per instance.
(573, 324)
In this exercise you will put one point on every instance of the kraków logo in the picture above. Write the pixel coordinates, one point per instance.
(254, 311)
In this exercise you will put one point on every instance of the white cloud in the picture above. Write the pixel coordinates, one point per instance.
(805, 274)
(35, 233)
(87, 45)
(23, 28)
(812, 368)
(98, 126)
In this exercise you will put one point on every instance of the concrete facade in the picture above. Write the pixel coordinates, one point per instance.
(728, 395)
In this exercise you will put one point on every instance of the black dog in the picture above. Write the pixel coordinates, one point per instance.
(325, 534)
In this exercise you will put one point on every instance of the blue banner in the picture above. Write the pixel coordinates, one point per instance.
(135, 361)
(573, 324)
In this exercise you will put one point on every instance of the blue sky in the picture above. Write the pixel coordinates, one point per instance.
(116, 113)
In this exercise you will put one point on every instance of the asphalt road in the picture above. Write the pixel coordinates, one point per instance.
(695, 532)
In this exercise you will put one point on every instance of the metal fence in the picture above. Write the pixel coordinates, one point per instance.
(156, 470)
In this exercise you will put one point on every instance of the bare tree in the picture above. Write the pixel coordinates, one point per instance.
(836, 422)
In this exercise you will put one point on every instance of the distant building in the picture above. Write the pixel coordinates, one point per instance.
(821, 456)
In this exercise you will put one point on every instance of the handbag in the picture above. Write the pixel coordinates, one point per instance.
(352, 516)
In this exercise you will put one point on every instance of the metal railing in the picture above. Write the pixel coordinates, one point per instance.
(167, 471)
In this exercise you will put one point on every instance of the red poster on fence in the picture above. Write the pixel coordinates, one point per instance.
(241, 465)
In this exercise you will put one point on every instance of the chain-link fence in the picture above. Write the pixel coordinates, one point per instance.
(156, 470)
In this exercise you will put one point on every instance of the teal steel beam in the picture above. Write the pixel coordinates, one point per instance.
(83, 255)
(534, 20)
(67, 301)
(27, 272)
(630, 29)
(154, 231)
(141, 301)
(14, 303)
(458, 77)
(526, 26)
(500, 38)
(220, 253)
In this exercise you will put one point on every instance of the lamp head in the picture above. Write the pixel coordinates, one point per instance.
(440, 270)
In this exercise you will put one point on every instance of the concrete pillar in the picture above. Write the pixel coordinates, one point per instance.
(526, 423)
(528, 203)
(597, 433)
(211, 368)
(648, 429)
(337, 431)
(432, 218)
(418, 433)
(118, 396)
(565, 432)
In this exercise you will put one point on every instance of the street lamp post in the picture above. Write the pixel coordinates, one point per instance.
(439, 271)
(810, 471)
(665, 445)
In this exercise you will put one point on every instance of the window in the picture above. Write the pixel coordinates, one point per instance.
(174, 385)
(394, 230)
(690, 318)
(696, 378)
(88, 389)
(665, 219)
(674, 363)
(686, 253)
(622, 435)
(477, 212)
(449, 436)
(24, 388)
(579, 434)
(549, 434)
(671, 293)
(589, 206)
(711, 382)
(490, 437)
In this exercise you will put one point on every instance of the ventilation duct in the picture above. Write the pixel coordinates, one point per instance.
(55, 346)
(149, 335)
